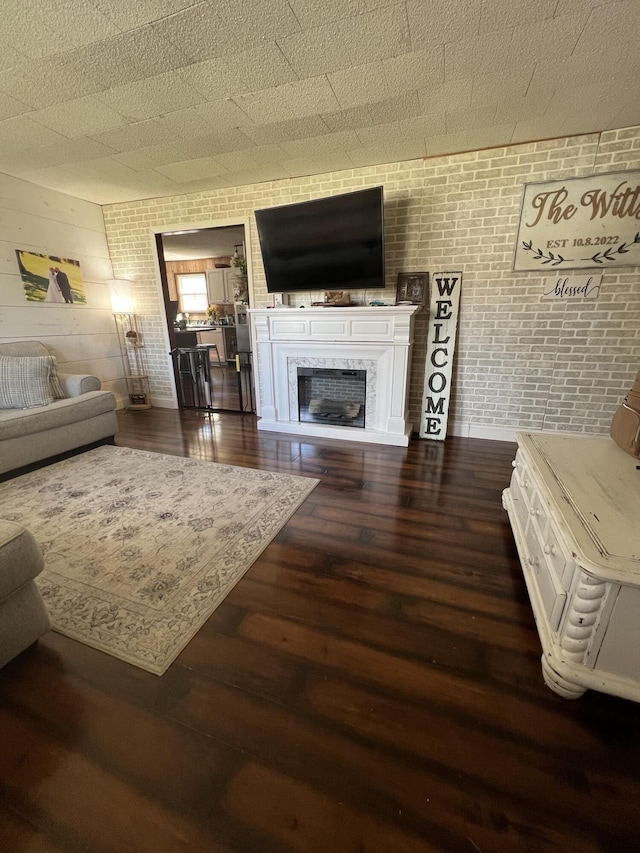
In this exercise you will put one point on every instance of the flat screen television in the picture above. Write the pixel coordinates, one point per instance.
(334, 243)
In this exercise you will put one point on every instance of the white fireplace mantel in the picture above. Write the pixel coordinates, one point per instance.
(376, 339)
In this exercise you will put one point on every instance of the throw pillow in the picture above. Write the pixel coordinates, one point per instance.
(56, 387)
(25, 381)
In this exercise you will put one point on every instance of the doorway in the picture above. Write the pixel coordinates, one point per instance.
(205, 283)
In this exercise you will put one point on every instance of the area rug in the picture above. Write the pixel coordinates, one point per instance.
(140, 548)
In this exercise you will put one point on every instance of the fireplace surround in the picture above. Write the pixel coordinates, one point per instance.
(375, 340)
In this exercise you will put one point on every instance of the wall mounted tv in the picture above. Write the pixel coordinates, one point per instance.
(334, 243)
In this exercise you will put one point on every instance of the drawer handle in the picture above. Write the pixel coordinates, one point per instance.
(535, 511)
(550, 549)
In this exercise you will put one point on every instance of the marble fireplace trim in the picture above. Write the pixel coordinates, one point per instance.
(369, 365)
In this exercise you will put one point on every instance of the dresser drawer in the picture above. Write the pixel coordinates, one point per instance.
(557, 556)
(527, 483)
(519, 466)
(548, 537)
(520, 507)
(552, 595)
(537, 510)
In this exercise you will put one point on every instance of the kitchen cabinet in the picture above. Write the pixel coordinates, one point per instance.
(222, 284)
(573, 504)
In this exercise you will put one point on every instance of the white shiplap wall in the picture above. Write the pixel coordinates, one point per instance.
(82, 337)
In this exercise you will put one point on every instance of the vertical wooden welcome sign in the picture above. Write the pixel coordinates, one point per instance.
(441, 342)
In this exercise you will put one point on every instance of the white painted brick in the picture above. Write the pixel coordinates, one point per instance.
(458, 212)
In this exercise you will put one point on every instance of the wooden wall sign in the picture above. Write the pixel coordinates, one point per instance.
(580, 223)
(563, 288)
(441, 341)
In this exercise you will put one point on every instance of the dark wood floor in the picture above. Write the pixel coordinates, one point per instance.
(372, 685)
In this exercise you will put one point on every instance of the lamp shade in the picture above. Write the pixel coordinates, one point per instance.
(121, 296)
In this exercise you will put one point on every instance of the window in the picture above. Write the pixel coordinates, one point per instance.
(192, 292)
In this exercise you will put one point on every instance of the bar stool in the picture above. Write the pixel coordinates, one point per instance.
(213, 347)
(192, 365)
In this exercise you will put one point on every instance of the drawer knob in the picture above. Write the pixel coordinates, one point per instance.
(514, 464)
(550, 549)
(533, 561)
(527, 482)
(547, 549)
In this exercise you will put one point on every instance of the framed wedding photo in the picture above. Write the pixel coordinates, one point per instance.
(412, 288)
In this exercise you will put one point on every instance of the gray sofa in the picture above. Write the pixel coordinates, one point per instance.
(23, 616)
(85, 416)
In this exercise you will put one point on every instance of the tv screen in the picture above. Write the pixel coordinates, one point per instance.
(333, 243)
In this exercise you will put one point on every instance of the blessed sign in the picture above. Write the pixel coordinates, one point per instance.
(561, 288)
(580, 223)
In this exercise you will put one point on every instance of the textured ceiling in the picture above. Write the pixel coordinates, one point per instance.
(114, 100)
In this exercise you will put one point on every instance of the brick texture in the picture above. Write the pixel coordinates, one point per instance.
(521, 362)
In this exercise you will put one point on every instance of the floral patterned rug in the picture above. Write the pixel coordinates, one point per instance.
(140, 548)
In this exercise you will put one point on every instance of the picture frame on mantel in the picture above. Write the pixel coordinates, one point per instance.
(412, 288)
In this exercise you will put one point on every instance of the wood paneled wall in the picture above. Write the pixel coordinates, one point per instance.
(82, 337)
(196, 265)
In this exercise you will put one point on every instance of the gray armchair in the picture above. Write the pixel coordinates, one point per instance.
(23, 616)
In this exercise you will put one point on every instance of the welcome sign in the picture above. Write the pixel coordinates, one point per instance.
(441, 342)
(580, 223)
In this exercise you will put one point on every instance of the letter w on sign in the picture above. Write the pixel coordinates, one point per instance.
(441, 341)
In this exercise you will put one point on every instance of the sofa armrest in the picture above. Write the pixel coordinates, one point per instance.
(74, 384)
(20, 557)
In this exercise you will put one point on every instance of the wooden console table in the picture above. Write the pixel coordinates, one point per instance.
(574, 508)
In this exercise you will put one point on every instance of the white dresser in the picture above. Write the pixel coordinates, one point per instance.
(574, 507)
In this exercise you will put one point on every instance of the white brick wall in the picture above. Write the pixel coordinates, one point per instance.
(522, 363)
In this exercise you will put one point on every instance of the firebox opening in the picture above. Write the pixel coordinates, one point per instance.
(330, 396)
